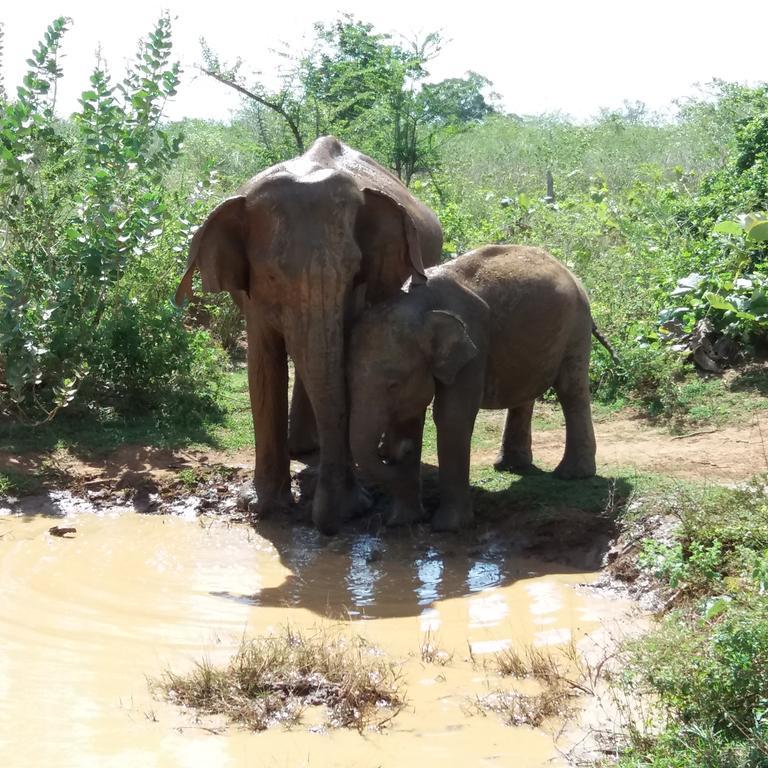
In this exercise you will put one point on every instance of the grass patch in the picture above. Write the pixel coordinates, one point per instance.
(558, 687)
(18, 483)
(273, 679)
(190, 479)
(705, 665)
(494, 492)
(517, 708)
(100, 431)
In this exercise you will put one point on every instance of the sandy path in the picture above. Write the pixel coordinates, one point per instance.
(725, 453)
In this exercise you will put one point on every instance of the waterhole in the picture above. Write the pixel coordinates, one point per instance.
(87, 618)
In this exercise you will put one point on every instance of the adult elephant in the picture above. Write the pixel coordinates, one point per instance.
(301, 247)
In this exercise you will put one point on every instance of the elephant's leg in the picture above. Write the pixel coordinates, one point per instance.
(572, 388)
(320, 363)
(268, 389)
(302, 429)
(404, 441)
(454, 414)
(515, 454)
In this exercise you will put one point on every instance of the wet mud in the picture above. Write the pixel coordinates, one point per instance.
(87, 618)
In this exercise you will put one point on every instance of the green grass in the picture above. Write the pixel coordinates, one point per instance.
(672, 394)
(718, 401)
(97, 433)
(13, 482)
(705, 664)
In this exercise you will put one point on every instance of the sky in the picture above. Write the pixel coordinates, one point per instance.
(541, 55)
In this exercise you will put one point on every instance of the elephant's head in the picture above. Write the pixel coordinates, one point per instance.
(398, 352)
(269, 239)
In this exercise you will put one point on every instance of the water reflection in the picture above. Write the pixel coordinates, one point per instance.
(364, 571)
(373, 575)
(483, 574)
(429, 575)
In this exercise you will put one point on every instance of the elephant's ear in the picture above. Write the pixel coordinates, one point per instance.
(379, 205)
(448, 345)
(218, 251)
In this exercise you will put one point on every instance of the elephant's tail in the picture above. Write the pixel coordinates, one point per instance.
(599, 336)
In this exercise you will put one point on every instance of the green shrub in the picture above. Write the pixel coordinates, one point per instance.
(95, 243)
(711, 676)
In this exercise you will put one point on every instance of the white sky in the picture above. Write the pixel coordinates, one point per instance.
(541, 55)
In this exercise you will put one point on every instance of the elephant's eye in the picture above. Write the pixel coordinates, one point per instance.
(393, 386)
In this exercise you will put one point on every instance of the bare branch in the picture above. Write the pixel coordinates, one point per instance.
(273, 105)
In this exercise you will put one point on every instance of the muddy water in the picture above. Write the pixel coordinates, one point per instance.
(84, 621)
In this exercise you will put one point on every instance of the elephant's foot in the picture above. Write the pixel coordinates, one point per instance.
(259, 505)
(575, 469)
(406, 513)
(333, 505)
(453, 516)
(519, 465)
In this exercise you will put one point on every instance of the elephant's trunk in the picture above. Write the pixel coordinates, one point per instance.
(366, 431)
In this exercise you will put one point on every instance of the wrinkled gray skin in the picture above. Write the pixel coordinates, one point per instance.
(494, 328)
(301, 247)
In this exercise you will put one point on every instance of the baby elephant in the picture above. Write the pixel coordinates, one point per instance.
(494, 328)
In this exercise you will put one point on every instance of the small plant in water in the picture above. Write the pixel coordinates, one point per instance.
(272, 679)
(558, 689)
(431, 652)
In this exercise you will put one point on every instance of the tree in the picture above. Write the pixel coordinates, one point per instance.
(366, 89)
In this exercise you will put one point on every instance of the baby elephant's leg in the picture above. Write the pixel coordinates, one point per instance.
(454, 420)
(404, 452)
(572, 388)
(515, 454)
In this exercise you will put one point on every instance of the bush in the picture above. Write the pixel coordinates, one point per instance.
(95, 243)
(712, 680)
(706, 663)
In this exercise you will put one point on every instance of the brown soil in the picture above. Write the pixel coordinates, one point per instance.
(729, 453)
(724, 453)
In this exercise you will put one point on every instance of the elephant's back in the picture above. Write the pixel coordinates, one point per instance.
(538, 313)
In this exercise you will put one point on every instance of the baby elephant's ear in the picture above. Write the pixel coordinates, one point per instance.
(449, 347)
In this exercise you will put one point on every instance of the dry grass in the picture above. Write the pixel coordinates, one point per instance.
(559, 688)
(273, 679)
(518, 708)
(431, 652)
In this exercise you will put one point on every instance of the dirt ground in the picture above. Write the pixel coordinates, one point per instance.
(725, 453)
(720, 454)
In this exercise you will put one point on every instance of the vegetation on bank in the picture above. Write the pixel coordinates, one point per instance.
(662, 219)
(705, 664)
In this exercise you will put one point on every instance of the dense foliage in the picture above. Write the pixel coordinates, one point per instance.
(662, 220)
(706, 663)
(93, 241)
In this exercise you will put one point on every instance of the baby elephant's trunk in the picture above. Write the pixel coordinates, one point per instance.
(374, 456)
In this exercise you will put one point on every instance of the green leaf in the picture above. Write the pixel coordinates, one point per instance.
(716, 606)
(756, 226)
(716, 301)
(728, 228)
